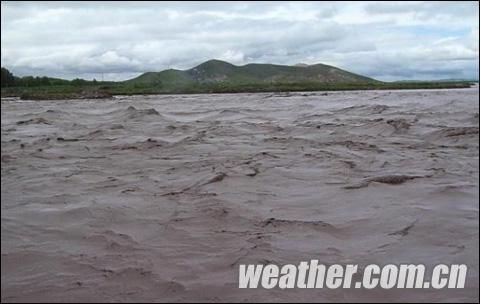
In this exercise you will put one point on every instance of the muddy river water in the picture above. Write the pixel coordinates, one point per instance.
(160, 198)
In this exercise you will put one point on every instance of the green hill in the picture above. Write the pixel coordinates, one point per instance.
(213, 76)
(216, 72)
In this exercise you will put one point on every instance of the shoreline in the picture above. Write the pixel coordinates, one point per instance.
(42, 93)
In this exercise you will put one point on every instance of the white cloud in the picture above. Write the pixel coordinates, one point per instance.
(380, 39)
(233, 56)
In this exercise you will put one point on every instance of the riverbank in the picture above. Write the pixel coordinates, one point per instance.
(107, 91)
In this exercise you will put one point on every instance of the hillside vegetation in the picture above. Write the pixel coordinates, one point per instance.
(213, 76)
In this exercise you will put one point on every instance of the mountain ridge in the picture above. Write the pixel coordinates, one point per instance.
(218, 71)
(213, 76)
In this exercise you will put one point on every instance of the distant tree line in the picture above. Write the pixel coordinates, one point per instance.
(9, 80)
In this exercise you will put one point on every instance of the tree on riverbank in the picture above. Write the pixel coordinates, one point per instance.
(7, 79)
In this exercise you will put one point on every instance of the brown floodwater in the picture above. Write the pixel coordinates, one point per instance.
(160, 198)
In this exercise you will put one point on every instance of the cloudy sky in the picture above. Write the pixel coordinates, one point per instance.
(384, 40)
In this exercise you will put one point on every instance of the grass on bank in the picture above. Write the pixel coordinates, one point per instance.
(106, 90)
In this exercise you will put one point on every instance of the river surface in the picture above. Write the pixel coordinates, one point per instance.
(161, 198)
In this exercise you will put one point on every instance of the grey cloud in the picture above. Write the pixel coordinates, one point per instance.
(425, 8)
(122, 40)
